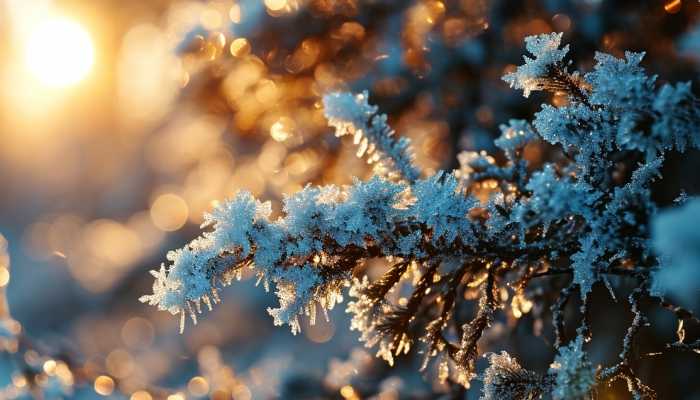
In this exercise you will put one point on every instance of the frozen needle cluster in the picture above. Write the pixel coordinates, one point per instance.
(585, 216)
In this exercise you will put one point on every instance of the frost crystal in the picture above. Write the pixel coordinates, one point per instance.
(553, 199)
(514, 136)
(441, 206)
(584, 265)
(232, 220)
(352, 115)
(574, 374)
(532, 75)
(505, 379)
(677, 111)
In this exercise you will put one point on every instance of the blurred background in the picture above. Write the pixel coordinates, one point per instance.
(122, 122)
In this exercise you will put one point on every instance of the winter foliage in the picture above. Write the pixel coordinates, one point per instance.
(574, 374)
(351, 114)
(533, 75)
(488, 228)
(506, 379)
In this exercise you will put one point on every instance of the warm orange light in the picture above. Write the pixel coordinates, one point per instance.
(169, 212)
(4, 276)
(59, 52)
(673, 6)
(104, 385)
(198, 386)
(141, 395)
(275, 5)
(240, 47)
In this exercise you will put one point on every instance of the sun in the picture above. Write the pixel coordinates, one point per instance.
(59, 52)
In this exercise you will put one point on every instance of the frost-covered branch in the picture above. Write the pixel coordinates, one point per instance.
(506, 379)
(351, 114)
(485, 231)
(547, 70)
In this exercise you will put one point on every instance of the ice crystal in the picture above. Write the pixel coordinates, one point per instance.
(441, 207)
(584, 265)
(574, 374)
(351, 114)
(514, 137)
(547, 54)
(476, 165)
(505, 379)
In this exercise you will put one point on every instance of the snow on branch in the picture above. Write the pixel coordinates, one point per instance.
(536, 73)
(505, 379)
(486, 232)
(351, 114)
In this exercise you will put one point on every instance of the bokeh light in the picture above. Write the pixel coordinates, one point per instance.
(4, 276)
(169, 212)
(104, 385)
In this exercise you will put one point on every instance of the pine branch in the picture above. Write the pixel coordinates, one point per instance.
(573, 217)
(353, 115)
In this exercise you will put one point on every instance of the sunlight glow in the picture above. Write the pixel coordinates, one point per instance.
(59, 52)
